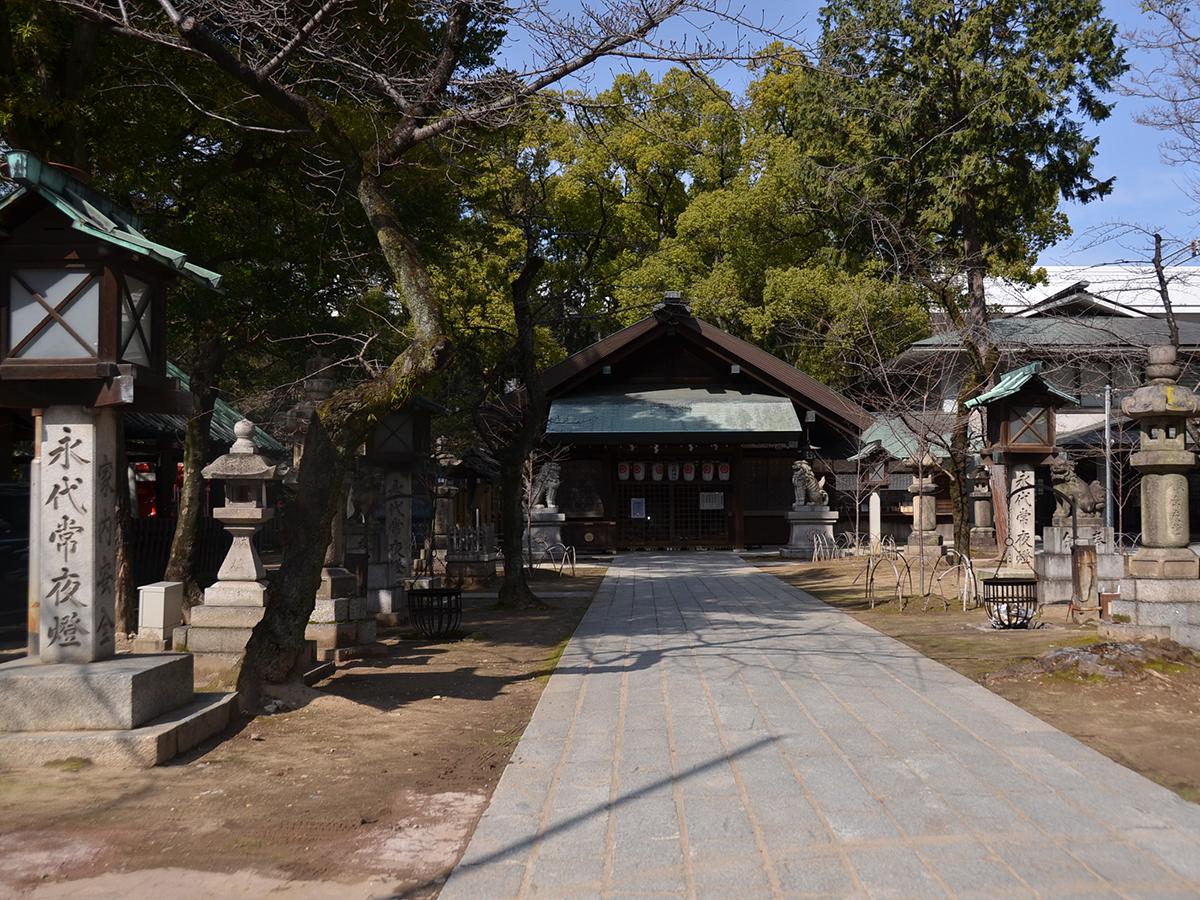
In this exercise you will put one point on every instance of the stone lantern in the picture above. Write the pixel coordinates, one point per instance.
(924, 537)
(1161, 410)
(983, 531)
(396, 448)
(236, 602)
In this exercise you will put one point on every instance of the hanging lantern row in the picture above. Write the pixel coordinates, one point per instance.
(708, 470)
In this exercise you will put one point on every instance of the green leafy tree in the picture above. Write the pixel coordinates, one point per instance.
(951, 130)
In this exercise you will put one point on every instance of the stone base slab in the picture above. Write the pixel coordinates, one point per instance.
(121, 692)
(1055, 584)
(1116, 631)
(151, 744)
(226, 616)
(236, 593)
(337, 582)
(1164, 563)
(151, 642)
(1170, 605)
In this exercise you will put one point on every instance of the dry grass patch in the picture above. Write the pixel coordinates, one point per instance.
(1145, 716)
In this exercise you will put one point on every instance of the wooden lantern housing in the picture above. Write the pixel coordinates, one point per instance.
(403, 437)
(82, 297)
(1022, 414)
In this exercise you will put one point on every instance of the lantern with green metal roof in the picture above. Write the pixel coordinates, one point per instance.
(82, 296)
(1021, 414)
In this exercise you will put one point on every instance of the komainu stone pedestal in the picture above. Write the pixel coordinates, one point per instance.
(130, 710)
(1099, 570)
(545, 528)
(807, 521)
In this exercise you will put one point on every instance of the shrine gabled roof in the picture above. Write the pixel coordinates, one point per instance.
(761, 365)
(1015, 380)
(94, 215)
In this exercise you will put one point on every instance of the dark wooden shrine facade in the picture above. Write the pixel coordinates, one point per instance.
(674, 434)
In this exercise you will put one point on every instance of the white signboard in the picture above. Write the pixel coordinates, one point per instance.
(637, 507)
(712, 499)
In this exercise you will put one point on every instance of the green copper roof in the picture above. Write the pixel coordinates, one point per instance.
(679, 410)
(148, 425)
(891, 435)
(95, 215)
(1011, 382)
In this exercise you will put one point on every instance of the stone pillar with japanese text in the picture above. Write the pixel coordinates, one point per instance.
(77, 535)
(1019, 549)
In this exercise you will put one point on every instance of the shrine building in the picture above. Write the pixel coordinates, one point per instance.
(673, 434)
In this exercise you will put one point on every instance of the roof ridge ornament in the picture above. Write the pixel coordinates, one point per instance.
(672, 308)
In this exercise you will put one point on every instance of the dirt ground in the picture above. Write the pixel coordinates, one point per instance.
(370, 789)
(1147, 718)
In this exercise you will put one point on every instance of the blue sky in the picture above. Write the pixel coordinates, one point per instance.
(1148, 192)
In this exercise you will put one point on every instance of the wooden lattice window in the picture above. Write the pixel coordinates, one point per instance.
(53, 314)
(1030, 426)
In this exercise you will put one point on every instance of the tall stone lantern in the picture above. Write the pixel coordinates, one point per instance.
(245, 474)
(236, 601)
(924, 537)
(1161, 409)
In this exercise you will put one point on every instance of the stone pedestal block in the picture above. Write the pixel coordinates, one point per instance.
(1056, 577)
(1163, 607)
(806, 521)
(545, 529)
(117, 693)
(983, 540)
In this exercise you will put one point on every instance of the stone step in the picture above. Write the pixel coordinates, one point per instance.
(226, 616)
(121, 692)
(219, 640)
(218, 670)
(147, 745)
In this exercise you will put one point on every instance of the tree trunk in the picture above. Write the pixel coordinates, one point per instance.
(181, 563)
(983, 360)
(524, 436)
(335, 432)
(273, 652)
(515, 591)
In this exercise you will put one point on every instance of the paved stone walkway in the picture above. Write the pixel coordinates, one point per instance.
(713, 732)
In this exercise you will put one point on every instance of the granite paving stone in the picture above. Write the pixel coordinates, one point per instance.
(711, 731)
